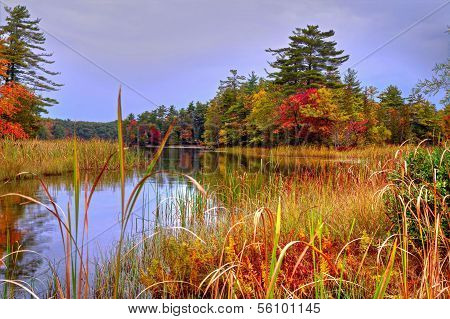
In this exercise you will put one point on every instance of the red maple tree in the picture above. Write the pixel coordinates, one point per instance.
(290, 115)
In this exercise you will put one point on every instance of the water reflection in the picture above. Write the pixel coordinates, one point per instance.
(29, 226)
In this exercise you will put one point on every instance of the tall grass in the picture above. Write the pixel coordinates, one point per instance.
(128, 208)
(328, 233)
(56, 157)
(77, 279)
(369, 152)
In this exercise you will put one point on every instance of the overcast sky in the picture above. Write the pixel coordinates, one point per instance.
(175, 51)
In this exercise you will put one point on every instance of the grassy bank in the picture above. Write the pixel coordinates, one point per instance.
(369, 152)
(317, 233)
(241, 213)
(349, 230)
(56, 157)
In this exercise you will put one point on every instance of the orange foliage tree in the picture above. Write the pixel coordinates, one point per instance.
(14, 98)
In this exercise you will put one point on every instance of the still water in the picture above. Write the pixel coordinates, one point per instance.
(31, 227)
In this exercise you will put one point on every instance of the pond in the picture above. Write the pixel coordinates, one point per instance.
(30, 227)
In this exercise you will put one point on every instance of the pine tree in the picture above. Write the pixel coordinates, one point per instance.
(351, 81)
(24, 50)
(438, 82)
(310, 60)
(252, 83)
(424, 119)
(233, 82)
(391, 98)
(352, 97)
(395, 114)
(199, 120)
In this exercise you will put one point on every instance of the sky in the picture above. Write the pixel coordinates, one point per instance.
(172, 52)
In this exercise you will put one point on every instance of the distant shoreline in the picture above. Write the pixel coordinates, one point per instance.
(199, 147)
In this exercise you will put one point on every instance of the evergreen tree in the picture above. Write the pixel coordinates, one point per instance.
(213, 124)
(352, 97)
(351, 82)
(26, 55)
(233, 82)
(230, 102)
(310, 60)
(391, 98)
(395, 114)
(424, 120)
(377, 132)
(252, 83)
(438, 82)
(198, 116)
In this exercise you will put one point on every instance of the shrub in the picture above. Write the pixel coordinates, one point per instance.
(420, 192)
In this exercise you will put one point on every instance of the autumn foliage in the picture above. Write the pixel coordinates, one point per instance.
(14, 98)
(147, 133)
(293, 111)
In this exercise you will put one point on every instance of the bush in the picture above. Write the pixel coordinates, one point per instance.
(421, 192)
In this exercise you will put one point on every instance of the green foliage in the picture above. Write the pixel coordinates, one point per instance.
(351, 82)
(213, 124)
(59, 129)
(438, 82)
(395, 114)
(420, 192)
(261, 120)
(310, 61)
(190, 126)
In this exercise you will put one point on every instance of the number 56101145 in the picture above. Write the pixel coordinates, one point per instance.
(287, 307)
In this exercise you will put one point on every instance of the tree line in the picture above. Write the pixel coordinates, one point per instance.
(142, 129)
(59, 129)
(149, 126)
(304, 99)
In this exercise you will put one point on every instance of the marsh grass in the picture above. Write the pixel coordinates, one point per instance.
(368, 153)
(325, 235)
(56, 157)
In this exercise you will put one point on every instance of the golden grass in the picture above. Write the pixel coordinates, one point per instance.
(316, 233)
(369, 152)
(56, 157)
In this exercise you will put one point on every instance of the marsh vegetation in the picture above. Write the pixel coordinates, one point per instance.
(239, 223)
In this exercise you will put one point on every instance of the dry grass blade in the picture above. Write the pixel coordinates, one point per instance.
(21, 285)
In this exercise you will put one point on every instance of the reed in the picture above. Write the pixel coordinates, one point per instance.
(368, 152)
(128, 208)
(56, 157)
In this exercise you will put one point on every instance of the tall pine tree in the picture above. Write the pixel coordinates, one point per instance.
(24, 49)
(310, 61)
